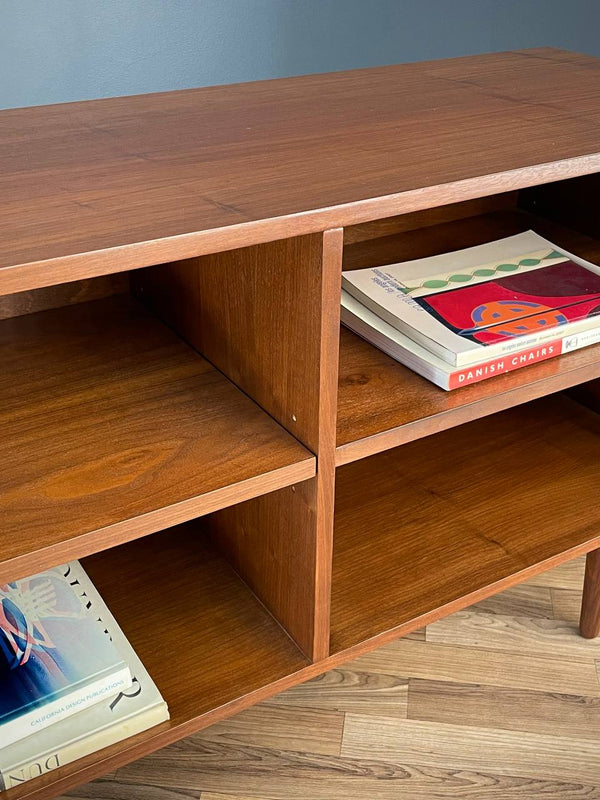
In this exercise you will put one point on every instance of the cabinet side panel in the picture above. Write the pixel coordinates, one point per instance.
(256, 313)
(272, 542)
(268, 317)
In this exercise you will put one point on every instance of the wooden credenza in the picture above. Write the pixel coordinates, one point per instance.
(258, 495)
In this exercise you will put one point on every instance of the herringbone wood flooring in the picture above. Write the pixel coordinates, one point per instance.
(499, 702)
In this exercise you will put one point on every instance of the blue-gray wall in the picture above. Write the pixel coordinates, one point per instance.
(59, 50)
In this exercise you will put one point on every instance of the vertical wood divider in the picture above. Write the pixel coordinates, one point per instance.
(268, 317)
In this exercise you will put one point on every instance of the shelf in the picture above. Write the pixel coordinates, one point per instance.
(118, 439)
(423, 529)
(113, 428)
(199, 631)
(382, 404)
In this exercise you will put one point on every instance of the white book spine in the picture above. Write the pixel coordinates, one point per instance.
(388, 339)
(17, 774)
(39, 718)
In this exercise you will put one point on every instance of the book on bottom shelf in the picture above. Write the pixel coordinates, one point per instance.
(117, 716)
(391, 341)
(55, 657)
(471, 306)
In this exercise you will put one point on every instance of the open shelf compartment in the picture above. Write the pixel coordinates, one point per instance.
(381, 403)
(430, 527)
(207, 642)
(113, 428)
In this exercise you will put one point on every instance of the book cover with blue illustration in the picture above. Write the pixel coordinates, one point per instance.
(56, 655)
(112, 720)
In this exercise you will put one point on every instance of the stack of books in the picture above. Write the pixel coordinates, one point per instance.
(70, 682)
(462, 317)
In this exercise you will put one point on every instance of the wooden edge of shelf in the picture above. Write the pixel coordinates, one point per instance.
(385, 440)
(76, 266)
(96, 764)
(165, 517)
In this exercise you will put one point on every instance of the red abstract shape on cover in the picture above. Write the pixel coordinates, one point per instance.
(516, 317)
(545, 297)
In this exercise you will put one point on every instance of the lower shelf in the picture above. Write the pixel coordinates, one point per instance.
(209, 645)
(422, 529)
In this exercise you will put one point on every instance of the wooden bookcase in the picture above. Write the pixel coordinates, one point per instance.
(257, 496)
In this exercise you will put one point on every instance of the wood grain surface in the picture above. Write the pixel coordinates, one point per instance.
(268, 317)
(271, 541)
(260, 315)
(422, 721)
(108, 185)
(65, 294)
(113, 428)
(426, 524)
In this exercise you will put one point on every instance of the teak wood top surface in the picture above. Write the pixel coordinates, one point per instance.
(113, 428)
(101, 186)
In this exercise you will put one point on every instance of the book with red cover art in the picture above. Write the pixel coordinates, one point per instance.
(476, 304)
(517, 304)
(370, 327)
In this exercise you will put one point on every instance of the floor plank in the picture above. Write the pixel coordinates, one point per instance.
(566, 604)
(281, 728)
(567, 576)
(349, 690)
(118, 790)
(263, 774)
(504, 708)
(471, 665)
(215, 796)
(522, 600)
(514, 634)
(473, 748)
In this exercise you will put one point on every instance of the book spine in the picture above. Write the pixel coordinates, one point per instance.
(523, 358)
(40, 718)
(59, 756)
(520, 343)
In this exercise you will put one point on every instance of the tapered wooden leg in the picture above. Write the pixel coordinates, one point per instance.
(589, 623)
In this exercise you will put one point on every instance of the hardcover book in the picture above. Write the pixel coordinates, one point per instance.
(485, 301)
(130, 711)
(370, 327)
(55, 655)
